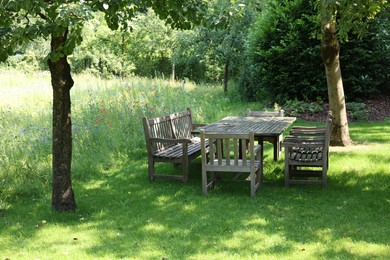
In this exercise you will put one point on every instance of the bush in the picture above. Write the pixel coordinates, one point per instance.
(296, 107)
(284, 57)
(286, 61)
(358, 111)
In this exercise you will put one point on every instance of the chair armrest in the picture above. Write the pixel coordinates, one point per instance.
(194, 126)
(308, 127)
(298, 141)
(257, 148)
(308, 130)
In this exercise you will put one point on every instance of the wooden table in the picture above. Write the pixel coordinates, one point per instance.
(262, 127)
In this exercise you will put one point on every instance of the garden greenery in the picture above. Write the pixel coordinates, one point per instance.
(121, 215)
(271, 51)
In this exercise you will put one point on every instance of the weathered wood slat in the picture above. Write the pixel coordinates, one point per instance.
(306, 148)
(169, 139)
(268, 129)
(224, 157)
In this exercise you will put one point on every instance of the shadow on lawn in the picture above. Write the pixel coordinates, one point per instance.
(172, 220)
(129, 217)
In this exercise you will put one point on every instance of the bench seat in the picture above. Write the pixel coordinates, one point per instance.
(169, 139)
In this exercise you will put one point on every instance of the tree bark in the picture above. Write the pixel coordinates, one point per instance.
(62, 193)
(337, 104)
(226, 77)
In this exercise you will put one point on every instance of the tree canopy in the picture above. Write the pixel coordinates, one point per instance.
(23, 21)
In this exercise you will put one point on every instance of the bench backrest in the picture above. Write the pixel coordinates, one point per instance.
(182, 124)
(173, 126)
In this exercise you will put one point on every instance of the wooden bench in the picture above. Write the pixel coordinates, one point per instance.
(306, 150)
(169, 139)
(224, 152)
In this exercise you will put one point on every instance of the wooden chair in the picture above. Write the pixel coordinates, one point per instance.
(306, 150)
(277, 140)
(224, 157)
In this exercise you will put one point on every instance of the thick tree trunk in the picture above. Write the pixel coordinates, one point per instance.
(61, 79)
(330, 55)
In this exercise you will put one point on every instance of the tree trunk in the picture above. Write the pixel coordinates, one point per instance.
(337, 104)
(61, 79)
(122, 73)
(226, 78)
(173, 72)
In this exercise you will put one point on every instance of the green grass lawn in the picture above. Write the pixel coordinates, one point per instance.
(121, 215)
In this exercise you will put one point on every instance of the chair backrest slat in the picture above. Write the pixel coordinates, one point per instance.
(279, 113)
(225, 150)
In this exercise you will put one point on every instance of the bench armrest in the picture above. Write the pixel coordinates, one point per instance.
(167, 140)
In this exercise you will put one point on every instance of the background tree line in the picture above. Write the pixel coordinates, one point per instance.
(266, 50)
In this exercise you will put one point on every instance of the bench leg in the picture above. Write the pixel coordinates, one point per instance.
(185, 169)
(151, 169)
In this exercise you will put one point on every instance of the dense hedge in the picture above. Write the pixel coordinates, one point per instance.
(284, 57)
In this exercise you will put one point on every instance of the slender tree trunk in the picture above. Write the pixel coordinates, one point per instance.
(173, 72)
(123, 56)
(330, 55)
(61, 79)
(226, 78)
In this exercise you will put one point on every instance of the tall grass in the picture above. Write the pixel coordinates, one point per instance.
(106, 118)
(121, 215)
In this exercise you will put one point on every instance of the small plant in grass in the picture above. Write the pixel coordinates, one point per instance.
(358, 111)
(297, 107)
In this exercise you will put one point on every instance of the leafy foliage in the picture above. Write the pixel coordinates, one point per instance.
(284, 60)
(284, 57)
(366, 61)
(358, 111)
(296, 107)
(24, 21)
(271, 46)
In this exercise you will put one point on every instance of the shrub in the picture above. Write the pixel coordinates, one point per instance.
(296, 107)
(358, 111)
(284, 59)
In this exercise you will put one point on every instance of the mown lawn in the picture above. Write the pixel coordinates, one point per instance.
(121, 215)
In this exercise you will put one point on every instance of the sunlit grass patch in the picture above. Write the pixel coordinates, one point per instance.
(121, 215)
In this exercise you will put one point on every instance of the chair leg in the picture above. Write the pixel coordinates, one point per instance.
(287, 169)
(324, 178)
(253, 184)
(213, 178)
